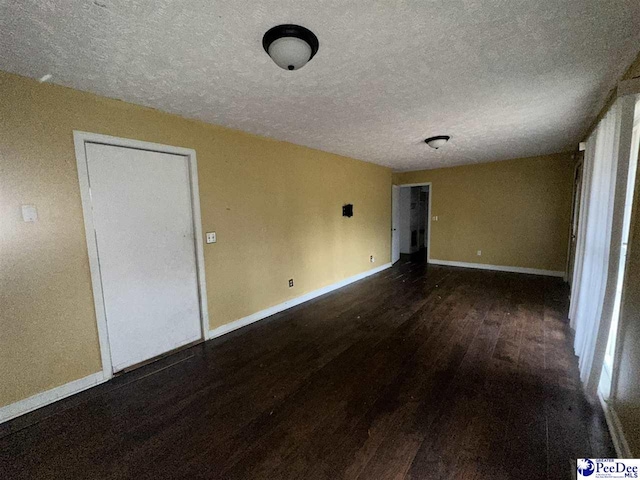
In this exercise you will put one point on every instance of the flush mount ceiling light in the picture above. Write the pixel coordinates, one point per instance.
(438, 141)
(290, 46)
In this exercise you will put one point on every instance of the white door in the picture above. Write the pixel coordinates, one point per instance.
(143, 220)
(395, 224)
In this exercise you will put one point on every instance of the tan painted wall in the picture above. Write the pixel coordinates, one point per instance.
(275, 206)
(625, 396)
(516, 211)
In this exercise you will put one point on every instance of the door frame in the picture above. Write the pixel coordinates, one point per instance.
(576, 199)
(80, 139)
(394, 207)
(422, 184)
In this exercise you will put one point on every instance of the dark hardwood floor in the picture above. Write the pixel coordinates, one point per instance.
(419, 372)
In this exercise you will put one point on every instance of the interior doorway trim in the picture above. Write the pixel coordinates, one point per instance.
(80, 140)
(423, 184)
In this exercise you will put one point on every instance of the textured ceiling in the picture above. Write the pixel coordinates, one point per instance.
(504, 78)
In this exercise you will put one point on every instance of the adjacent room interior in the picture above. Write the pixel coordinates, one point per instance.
(414, 220)
(277, 241)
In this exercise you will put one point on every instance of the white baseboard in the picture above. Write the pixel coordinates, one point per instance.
(499, 268)
(254, 317)
(45, 398)
(50, 396)
(615, 429)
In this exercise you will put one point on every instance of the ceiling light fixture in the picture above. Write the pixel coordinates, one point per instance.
(437, 141)
(290, 46)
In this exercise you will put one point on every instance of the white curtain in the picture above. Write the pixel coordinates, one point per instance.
(605, 172)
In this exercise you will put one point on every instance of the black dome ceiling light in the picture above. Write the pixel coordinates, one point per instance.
(290, 46)
(437, 141)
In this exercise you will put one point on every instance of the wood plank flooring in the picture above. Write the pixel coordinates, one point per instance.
(419, 372)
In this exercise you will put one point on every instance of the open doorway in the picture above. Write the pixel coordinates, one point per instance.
(411, 211)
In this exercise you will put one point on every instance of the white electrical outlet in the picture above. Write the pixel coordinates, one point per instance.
(211, 237)
(479, 253)
(372, 259)
(29, 213)
(434, 218)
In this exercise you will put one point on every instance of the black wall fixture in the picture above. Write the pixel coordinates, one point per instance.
(347, 210)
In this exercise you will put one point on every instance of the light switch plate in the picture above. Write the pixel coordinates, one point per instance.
(29, 213)
(211, 237)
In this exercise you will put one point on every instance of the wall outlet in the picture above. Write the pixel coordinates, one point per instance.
(291, 283)
(211, 237)
(434, 218)
(372, 259)
(29, 213)
(479, 253)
